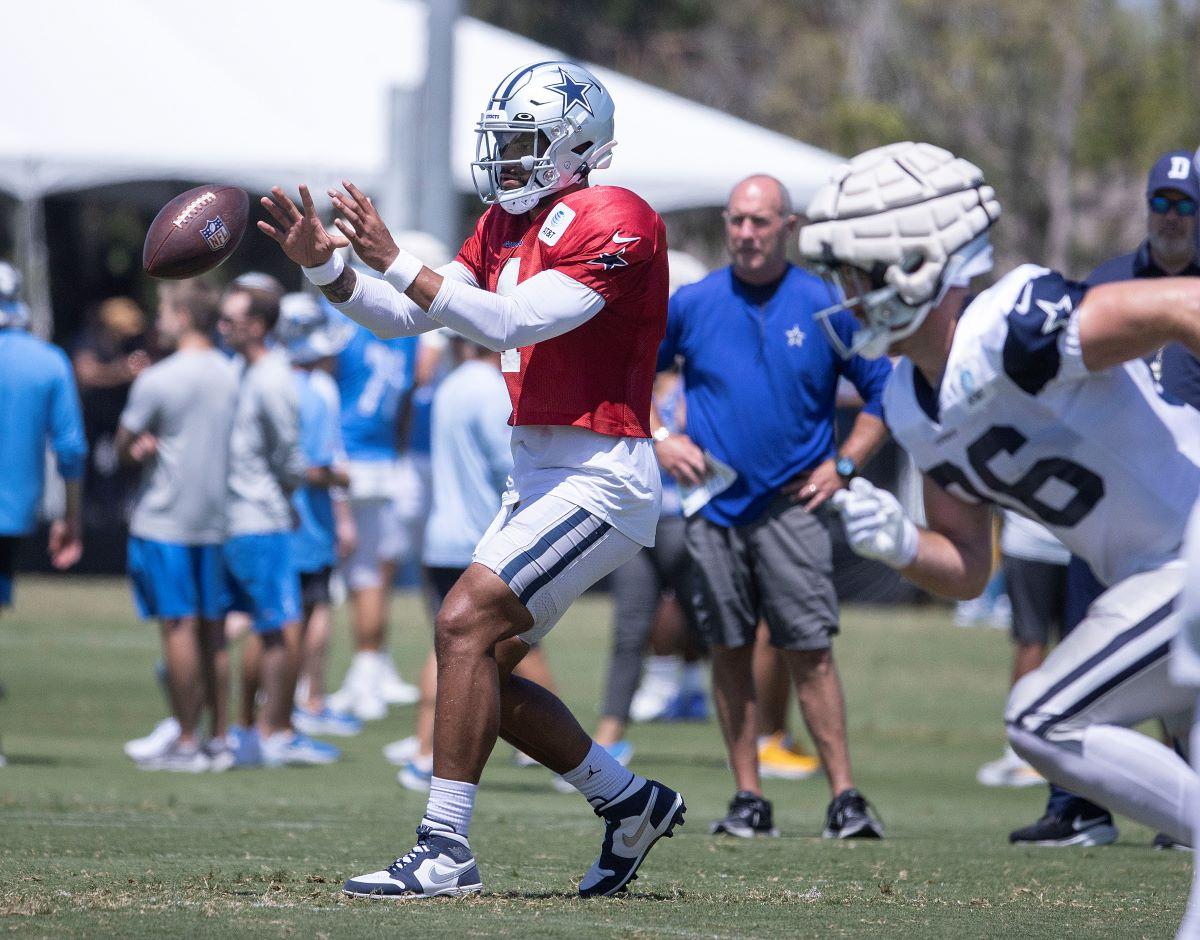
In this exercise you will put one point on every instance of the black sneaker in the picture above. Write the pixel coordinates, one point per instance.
(1162, 842)
(748, 816)
(850, 816)
(1073, 829)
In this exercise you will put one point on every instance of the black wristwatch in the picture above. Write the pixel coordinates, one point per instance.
(846, 468)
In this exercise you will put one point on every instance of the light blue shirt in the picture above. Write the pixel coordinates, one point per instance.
(471, 460)
(38, 404)
(372, 376)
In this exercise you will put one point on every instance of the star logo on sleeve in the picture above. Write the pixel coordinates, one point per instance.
(1057, 314)
(610, 259)
(573, 93)
(795, 336)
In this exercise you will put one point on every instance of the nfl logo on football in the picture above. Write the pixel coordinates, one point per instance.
(215, 233)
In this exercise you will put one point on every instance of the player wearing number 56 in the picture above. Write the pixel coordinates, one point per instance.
(1031, 396)
(570, 282)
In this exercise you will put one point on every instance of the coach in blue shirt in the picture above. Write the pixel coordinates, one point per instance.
(38, 405)
(761, 383)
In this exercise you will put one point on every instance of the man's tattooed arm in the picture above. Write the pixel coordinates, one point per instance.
(339, 291)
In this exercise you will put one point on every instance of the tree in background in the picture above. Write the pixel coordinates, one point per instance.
(1064, 103)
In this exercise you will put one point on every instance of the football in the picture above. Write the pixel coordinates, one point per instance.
(195, 231)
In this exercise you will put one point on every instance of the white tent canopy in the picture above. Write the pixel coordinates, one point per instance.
(280, 91)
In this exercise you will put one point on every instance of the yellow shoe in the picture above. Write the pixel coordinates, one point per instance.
(777, 760)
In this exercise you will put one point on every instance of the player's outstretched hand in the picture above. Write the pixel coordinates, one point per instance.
(364, 228)
(876, 526)
(300, 234)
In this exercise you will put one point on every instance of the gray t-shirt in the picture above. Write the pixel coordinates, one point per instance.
(186, 401)
(265, 460)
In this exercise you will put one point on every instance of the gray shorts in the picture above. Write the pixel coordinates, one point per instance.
(778, 568)
(1038, 591)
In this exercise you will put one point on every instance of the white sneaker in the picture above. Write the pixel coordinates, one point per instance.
(441, 863)
(180, 759)
(416, 774)
(220, 754)
(156, 743)
(400, 752)
(652, 698)
(395, 691)
(1008, 771)
(360, 694)
(289, 747)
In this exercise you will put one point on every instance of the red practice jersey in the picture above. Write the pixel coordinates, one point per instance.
(598, 375)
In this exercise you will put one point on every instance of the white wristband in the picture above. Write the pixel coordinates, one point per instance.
(326, 273)
(403, 271)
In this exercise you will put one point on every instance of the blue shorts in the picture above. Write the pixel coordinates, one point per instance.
(173, 580)
(262, 579)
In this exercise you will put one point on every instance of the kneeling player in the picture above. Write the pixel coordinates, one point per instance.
(571, 283)
(1031, 396)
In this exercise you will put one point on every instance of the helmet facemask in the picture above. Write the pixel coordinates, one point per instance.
(883, 314)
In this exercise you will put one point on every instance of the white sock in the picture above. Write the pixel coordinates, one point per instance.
(1122, 770)
(599, 778)
(451, 802)
(691, 678)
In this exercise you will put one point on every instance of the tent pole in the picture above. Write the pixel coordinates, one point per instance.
(437, 204)
(400, 175)
(32, 260)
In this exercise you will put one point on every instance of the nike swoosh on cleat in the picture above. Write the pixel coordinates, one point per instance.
(625, 240)
(1079, 823)
(631, 841)
(440, 876)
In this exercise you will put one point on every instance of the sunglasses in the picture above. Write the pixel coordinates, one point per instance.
(1161, 205)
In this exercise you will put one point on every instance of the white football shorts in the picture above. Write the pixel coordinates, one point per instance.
(549, 551)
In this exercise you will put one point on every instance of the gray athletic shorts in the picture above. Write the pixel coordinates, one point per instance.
(1038, 592)
(778, 568)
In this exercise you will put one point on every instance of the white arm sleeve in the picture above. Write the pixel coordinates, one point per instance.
(389, 313)
(547, 305)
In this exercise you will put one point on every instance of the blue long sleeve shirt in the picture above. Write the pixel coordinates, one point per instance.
(38, 405)
(761, 380)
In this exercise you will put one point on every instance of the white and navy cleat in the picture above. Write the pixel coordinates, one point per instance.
(441, 864)
(633, 822)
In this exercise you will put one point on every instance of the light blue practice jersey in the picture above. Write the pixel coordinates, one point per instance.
(313, 539)
(38, 405)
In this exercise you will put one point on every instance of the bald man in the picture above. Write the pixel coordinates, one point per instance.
(760, 379)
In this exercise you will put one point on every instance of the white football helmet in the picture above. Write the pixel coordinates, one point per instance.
(555, 120)
(893, 230)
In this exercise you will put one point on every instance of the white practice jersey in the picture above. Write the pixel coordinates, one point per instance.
(1099, 458)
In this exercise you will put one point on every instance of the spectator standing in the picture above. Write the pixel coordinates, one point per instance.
(38, 406)
(761, 383)
(312, 334)
(107, 358)
(265, 465)
(373, 376)
(176, 427)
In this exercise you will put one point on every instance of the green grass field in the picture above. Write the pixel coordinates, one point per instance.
(91, 846)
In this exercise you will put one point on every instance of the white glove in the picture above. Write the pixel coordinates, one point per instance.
(876, 526)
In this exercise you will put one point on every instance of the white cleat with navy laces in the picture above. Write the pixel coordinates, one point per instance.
(441, 864)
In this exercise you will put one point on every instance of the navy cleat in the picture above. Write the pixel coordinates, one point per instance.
(633, 821)
(441, 864)
(850, 816)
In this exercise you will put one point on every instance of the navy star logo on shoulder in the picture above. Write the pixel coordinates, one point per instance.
(573, 93)
(1057, 313)
(611, 259)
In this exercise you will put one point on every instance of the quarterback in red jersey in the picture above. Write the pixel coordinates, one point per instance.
(570, 282)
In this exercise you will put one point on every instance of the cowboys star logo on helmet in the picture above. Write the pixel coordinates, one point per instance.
(893, 230)
(546, 127)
